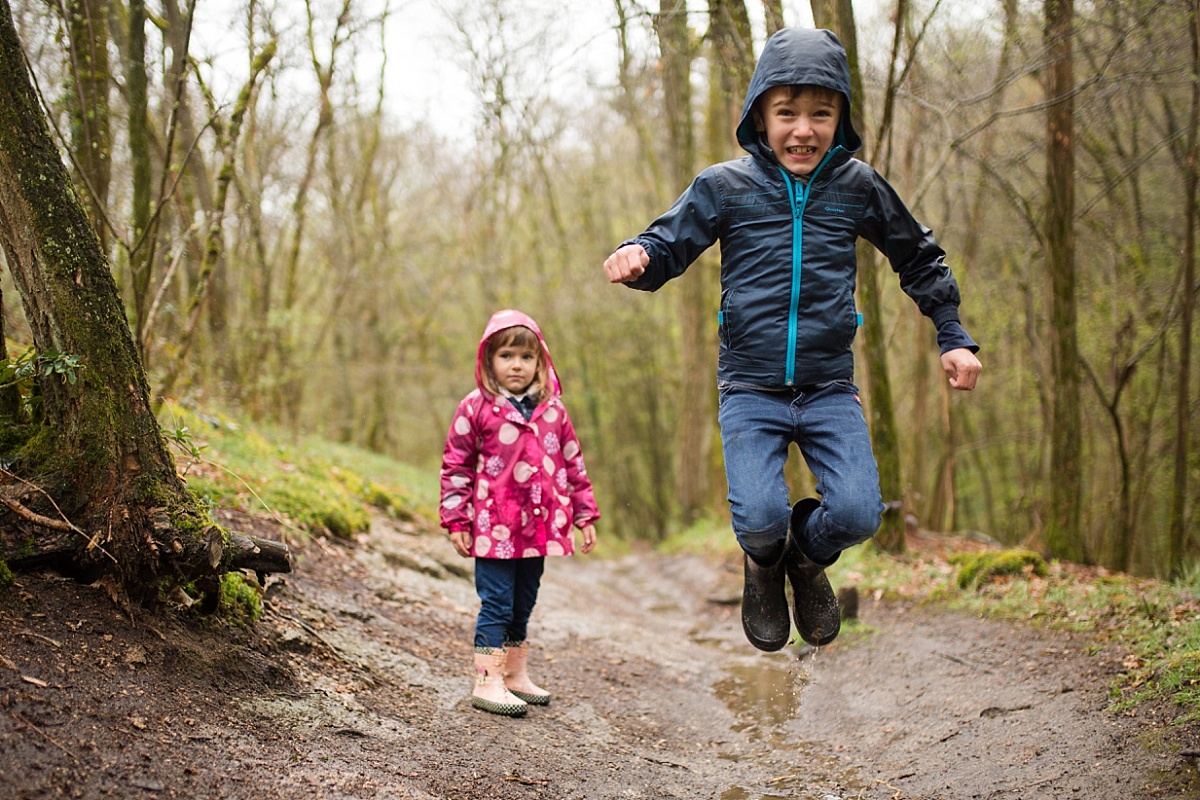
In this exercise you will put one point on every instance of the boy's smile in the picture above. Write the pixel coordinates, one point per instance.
(800, 123)
(514, 368)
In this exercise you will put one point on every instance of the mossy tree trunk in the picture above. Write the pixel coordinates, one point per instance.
(691, 444)
(838, 16)
(98, 453)
(1177, 535)
(91, 80)
(1064, 535)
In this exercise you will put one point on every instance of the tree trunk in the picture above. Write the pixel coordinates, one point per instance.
(10, 397)
(1177, 537)
(773, 15)
(838, 16)
(137, 81)
(1063, 535)
(115, 499)
(695, 417)
(942, 500)
(91, 134)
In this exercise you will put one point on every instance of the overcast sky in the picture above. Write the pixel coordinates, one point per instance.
(425, 79)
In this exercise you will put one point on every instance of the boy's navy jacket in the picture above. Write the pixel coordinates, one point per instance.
(788, 265)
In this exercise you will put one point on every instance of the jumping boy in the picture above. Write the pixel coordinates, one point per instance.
(787, 216)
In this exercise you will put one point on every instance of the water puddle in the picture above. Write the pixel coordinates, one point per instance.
(764, 694)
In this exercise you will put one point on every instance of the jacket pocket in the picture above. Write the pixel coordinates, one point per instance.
(727, 319)
(848, 321)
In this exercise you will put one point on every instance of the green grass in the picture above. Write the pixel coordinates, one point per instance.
(314, 487)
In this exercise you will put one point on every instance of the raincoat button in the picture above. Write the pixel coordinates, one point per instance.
(537, 512)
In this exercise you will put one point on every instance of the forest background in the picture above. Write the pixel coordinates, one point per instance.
(298, 244)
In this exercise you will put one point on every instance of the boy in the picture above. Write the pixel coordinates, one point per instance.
(787, 216)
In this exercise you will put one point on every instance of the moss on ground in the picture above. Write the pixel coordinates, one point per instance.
(231, 465)
(975, 569)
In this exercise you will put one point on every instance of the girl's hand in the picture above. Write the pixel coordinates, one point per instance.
(462, 542)
(589, 538)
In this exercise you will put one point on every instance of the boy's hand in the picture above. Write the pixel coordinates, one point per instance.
(627, 264)
(962, 367)
(462, 542)
(589, 538)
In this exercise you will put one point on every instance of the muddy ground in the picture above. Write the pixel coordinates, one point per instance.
(355, 683)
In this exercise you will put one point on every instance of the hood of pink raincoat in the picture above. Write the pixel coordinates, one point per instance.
(510, 318)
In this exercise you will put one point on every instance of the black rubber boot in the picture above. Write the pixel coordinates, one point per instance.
(815, 606)
(764, 605)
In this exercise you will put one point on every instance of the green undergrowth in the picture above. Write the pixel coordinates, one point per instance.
(313, 486)
(1155, 624)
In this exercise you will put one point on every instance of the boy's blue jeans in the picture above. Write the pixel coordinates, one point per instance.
(827, 424)
(508, 590)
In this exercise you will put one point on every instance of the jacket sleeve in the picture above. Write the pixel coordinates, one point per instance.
(458, 469)
(912, 251)
(677, 238)
(583, 501)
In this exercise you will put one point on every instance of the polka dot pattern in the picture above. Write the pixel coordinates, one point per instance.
(517, 484)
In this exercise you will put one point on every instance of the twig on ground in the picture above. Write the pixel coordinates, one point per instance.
(45, 639)
(21, 719)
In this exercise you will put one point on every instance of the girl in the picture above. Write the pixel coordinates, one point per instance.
(513, 483)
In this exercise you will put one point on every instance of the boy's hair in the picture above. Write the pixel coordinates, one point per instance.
(822, 92)
(523, 338)
(794, 90)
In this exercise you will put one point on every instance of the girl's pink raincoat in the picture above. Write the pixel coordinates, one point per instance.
(519, 487)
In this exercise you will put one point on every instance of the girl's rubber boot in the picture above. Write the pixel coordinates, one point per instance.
(764, 604)
(516, 675)
(814, 605)
(489, 693)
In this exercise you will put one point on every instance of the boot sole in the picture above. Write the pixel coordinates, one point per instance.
(532, 699)
(765, 646)
(503, 709)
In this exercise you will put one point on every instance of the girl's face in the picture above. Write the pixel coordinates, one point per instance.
(514, 367)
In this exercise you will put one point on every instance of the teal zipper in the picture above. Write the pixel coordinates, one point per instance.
(798, 193)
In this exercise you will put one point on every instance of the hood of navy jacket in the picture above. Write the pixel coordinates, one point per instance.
(794, 57)
(511, 318)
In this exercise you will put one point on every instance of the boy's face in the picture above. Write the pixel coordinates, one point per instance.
(514, 367)
(800, 125)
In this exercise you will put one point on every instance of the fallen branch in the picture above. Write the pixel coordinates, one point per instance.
(259, 555)
(21, 719)
(12, 502)
(37, 519)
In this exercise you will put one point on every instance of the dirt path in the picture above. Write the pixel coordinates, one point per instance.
(354, 685)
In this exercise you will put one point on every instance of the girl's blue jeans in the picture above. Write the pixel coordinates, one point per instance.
(508, 590)
(826, 422)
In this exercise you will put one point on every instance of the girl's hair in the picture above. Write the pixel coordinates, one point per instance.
(522, 338)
